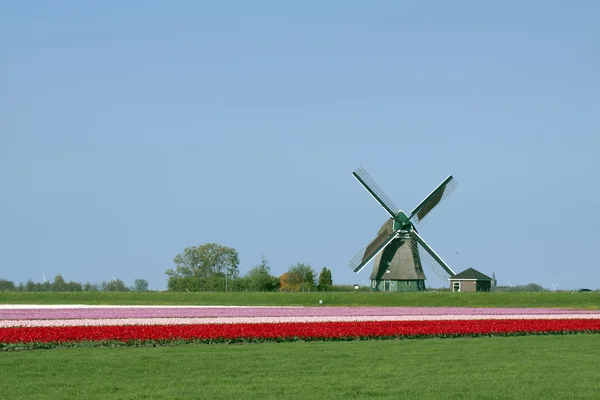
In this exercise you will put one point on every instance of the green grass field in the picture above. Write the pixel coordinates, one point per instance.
(529, 367)
(589, 300)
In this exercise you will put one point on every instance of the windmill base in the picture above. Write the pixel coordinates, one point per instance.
(394, 285)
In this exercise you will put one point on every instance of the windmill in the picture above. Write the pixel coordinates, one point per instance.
(398, 249)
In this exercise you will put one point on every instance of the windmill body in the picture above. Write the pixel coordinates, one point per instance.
(398, 267)
(399, 251)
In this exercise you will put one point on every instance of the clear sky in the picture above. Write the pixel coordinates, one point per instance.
(131, 130)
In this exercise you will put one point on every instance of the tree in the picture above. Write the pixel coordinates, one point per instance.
(290, 282)
(59, 284)
(203, 268)
(90, 287)
(305, 274)
(6, 285)
(259, 278)
(73, 287)
(116, 285)
(205, 260)
(534, 287)
(44, 287)
(184, 283)
(30, 286)
(140, 285)
(325, 281)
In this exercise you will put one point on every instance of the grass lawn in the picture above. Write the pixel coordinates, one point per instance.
(529, 367)
(589, 300)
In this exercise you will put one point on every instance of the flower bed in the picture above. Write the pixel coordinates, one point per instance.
(83, 326)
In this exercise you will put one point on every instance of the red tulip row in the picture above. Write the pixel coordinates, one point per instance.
(291, 331)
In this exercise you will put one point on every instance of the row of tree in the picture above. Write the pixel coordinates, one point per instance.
(213, 267)
(208, 267)
(60, 285)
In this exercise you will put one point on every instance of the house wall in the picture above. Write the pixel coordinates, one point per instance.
(467, 286)
(470, 286)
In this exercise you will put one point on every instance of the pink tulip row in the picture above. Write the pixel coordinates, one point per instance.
(22, 316)
(274, 320)
(104, 312)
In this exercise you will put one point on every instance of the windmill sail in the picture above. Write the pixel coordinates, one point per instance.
(368, 183)
(434, 198)
(430, 257)
(385, 236)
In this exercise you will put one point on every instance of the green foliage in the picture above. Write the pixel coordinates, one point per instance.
(91, 287)
(59, 284)
(526, 367)
(116, 285)
(259, 278)
(325, 281)
(305, 275)
(203, 267)
(140, 285)
(530, 287)
(184, 283)
(205, 260)
(6, 286)
(216, 282)
(534, 287)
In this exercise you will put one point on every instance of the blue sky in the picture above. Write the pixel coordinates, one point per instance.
(131, 130)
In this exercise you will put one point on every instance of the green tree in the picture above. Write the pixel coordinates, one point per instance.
(140, 285)
(259, 278)
(116, 285)
(73, 287)
(59, 284)
(6, 285)
(44, 286)
(534, 287)
(325, 281)
(216, 282)
(90, 287)
(184, 283)
(305, 273)
(30, 286)
(203, 268)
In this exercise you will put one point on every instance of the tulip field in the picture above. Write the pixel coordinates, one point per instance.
(23, 327)
(112, 351)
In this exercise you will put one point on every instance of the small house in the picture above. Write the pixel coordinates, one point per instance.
(470, 280)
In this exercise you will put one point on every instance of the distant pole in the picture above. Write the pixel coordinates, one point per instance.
(226, 283)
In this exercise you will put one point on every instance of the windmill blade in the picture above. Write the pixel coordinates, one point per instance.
(368, 183)
(434, 198)
(375, 247)
(430, 257)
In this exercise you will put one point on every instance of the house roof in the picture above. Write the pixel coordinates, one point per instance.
(471, 273)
